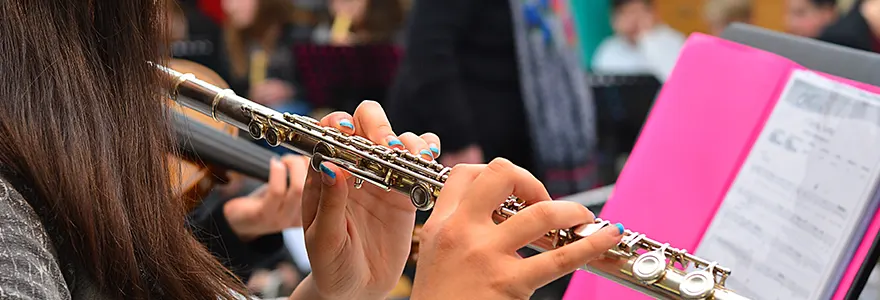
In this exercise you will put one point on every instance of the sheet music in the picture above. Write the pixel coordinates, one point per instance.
(793, 214)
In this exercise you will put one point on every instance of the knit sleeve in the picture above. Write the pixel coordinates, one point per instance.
(29, 267)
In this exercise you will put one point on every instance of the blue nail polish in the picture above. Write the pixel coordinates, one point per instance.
(426, 153)
(327, 171)
(435, 150)
(619, 228)
(347, 124)
(394, 142)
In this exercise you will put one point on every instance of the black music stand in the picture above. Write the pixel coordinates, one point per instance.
(824, 57)
(622, 106)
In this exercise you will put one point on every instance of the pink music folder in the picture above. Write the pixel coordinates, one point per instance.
(702, 126)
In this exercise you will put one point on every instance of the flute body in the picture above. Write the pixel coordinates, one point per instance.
(640, 263)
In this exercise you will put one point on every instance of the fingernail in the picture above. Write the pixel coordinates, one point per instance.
(426, 154)
(393, 142)
(434, 149)
(329, 177)
(346, 123)
(619, 228)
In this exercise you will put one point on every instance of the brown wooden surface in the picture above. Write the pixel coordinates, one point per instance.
(687, 15)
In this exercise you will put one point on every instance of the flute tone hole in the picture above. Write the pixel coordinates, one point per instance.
(272, 137)
(255, 129)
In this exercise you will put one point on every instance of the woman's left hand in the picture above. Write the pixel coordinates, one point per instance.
(272, 92)
(358, 240)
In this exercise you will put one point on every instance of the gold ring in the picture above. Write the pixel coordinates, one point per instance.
(180, 80)
(216, 101)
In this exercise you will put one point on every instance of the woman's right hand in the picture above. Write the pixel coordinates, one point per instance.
(463, 254)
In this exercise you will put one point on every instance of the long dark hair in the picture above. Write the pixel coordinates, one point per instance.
(83, 122)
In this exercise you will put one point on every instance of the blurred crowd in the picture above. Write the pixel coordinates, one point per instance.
(527, 80)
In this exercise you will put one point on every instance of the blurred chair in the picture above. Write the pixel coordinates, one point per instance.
(622, 106)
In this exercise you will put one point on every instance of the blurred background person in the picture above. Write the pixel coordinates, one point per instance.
(195, 36)
(459, 79)
(354, 54)
(499, 78)
(641, 44)
(809, 18)
(364, 22)
(258, 35)
(720, 13)
(858, 28)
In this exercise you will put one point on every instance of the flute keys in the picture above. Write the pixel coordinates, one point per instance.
(320, 151)
(697, 285)
(421, 197)
(650, 267)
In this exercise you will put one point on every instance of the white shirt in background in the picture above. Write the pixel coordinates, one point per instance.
(655, 52)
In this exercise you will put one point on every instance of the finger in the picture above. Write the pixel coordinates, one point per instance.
(297, 165)
(371, 122)
(339, 120)
(277, 180)
(537, 219)
(416, 145)
(311, 197)
(330, 215)
(292, 203)
(433, 143)
(546, 267)
(460, 179)
(496, 183)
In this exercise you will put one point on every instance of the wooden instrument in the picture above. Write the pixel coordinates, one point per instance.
(194, 179)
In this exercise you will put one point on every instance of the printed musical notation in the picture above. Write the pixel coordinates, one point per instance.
(788, 221)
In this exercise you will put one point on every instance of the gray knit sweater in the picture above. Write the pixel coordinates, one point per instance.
(29, 266)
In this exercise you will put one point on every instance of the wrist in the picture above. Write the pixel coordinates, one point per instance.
(308, 289)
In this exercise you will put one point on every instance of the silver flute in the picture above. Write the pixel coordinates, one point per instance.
(637, 262)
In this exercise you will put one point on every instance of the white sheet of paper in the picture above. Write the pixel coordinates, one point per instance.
(791, 219)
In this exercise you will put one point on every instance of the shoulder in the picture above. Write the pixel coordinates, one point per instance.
(29, 267)
(609, 46)
(616, 55)
(851, 30)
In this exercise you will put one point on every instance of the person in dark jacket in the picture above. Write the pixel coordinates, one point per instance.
(858, 29)
(459, 79)
(471, 74)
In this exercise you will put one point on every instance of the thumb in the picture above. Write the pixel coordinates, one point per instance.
(330, 216)
(546, 267)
